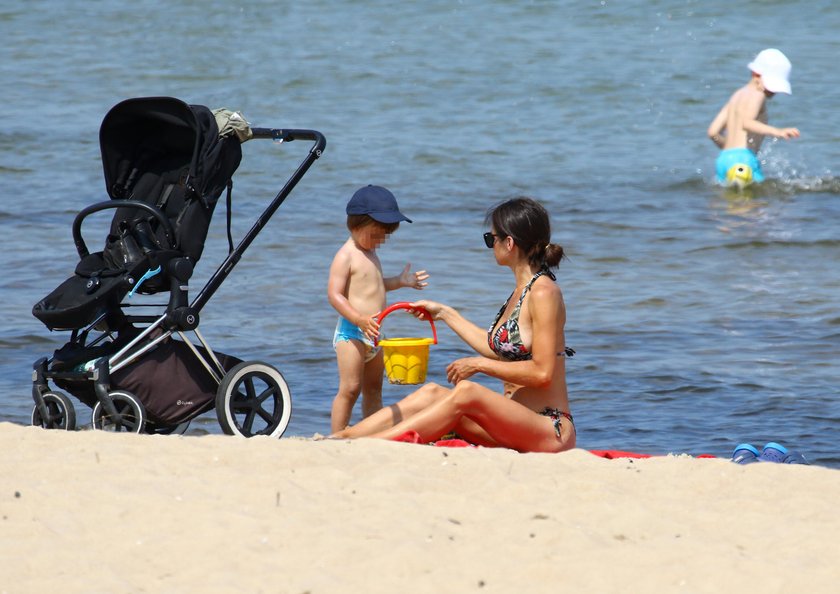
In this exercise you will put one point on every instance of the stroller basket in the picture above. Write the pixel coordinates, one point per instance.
(166, 164)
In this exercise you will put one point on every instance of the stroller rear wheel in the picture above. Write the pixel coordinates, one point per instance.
(60, 412)
(253, 399)
(130, 417)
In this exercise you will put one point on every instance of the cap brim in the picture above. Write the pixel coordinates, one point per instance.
(776, 85)
(389, 217)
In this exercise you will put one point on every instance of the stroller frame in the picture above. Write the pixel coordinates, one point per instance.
(243, 389)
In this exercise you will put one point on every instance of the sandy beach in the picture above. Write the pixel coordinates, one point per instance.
(96, 512)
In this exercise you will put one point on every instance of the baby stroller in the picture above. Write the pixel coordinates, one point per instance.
(166, 165)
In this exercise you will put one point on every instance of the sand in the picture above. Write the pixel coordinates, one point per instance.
(98, 512)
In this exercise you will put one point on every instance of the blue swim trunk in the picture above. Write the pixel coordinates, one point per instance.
(729, 157)
(346, 331)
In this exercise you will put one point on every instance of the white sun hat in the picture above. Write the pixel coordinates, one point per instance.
(774, 68)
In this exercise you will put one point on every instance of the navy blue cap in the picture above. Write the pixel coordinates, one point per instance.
(378, 203)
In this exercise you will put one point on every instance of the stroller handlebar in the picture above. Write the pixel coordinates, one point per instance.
(81, 247)
(278, 135)
(290, 134)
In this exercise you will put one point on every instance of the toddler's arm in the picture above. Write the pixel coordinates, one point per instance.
(415, 280)
(717, 127)
(757, 127)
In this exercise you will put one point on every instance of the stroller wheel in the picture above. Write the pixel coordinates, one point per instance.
(61, 414)
(253, 399)
(130, 417)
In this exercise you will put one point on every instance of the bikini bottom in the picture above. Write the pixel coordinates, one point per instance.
(557, 416)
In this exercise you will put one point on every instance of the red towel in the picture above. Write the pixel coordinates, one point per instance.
(414, 437)
(613, 454)
(454, 443)
(408, 437)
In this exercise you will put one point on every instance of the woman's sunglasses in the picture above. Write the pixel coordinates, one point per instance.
(490, 239)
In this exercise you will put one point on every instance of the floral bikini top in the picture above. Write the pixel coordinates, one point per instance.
(506, 342)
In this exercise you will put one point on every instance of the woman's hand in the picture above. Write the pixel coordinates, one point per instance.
(474, 336)
(462, 369)
(432, 307)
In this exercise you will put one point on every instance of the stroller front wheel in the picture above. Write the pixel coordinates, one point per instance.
(60, 412)
(253, 399)
(130, 417)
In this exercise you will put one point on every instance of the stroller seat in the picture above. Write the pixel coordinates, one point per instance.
(165, 168)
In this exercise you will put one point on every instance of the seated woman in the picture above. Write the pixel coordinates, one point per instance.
(524, 347)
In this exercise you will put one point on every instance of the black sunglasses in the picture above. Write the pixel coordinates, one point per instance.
(490, 239)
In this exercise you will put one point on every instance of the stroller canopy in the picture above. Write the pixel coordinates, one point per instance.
(153, 144)
(153, 131)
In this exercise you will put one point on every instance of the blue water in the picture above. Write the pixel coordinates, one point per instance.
(701, 319)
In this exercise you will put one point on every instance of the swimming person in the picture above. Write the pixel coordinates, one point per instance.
(524, 348)
(356, 289)
(741, 125)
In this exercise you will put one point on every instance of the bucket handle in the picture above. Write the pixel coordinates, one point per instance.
(407, 305)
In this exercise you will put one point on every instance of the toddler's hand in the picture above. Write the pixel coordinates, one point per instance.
(415, 280)
(788, 133)
(370, 327)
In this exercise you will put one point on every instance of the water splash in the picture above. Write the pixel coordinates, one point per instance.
(789, 174)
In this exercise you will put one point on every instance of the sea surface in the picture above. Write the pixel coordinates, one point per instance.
(701, 318)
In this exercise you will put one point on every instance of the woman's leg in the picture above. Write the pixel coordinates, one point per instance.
(389, 416)
(474, 433)
(505, 421)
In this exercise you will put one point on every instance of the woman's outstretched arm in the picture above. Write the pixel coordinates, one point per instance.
(474, 336)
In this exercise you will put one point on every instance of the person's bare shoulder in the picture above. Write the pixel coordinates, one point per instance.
(546, 302)
(544, 288)
(748, 102)
(355, 258)
(344, 255)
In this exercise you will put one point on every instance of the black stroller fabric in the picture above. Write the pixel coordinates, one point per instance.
(168, 154)
(164, 153)
(141, 363)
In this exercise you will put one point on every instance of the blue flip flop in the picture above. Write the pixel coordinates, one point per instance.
(795, 458)
(745, 453)
(773, 452)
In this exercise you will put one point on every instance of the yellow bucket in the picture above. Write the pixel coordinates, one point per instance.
(406, 359)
